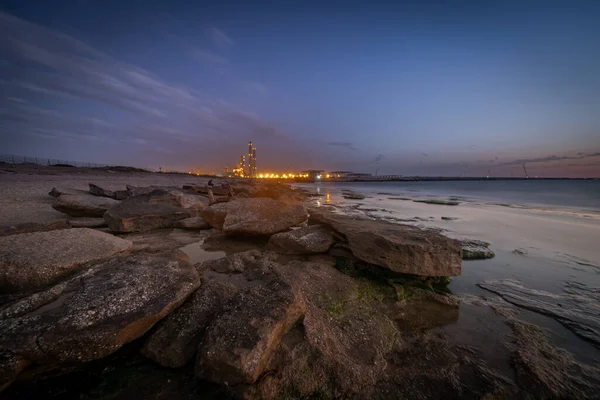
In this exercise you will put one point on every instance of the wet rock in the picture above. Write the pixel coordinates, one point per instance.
(155, 210)
(33, 260)
(521, 252)
(175, 340)
(83, 204)
(577, 308)
(340, 346)
(87, 222)
(96, 312)
(476, 250)
(400, 248)
(238, 345)
(449, 218)
(311, 239)
(254, 216)
(34, 227)
(116, 194)
(353, 196)
(547, 371)
(192, 223)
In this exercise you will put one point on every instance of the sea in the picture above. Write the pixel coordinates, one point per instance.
(546, 238)
(575, 193)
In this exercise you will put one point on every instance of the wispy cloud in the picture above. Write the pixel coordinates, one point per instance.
(219, 38)
(585, 164)
(347, 145)
(48, 78)
(541, 160)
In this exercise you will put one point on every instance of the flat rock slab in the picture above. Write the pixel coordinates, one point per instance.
(576, 308)
(33, 260)
(96, 312)
(254, 216)
(238, 345)
(83, 204)
(401, 248)
(307, 240)
(155, 210)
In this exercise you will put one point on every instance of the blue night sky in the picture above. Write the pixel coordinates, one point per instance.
(436, 89)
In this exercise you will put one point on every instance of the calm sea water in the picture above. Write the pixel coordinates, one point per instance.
(582, 194)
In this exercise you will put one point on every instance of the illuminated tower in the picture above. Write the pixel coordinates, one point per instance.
(254, 171)
(250, 163)
(243, 164)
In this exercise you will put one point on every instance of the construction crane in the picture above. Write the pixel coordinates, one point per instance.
(525, 169)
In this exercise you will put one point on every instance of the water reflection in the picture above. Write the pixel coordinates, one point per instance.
(424, 314)
(197, 253)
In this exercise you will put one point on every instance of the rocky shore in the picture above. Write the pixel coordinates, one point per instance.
(293, 301)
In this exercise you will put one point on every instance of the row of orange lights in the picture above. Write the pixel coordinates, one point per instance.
(282, 176)
(292, 176)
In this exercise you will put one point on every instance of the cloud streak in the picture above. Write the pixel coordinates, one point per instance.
(347, 145)
(219, 38)
(49, 79)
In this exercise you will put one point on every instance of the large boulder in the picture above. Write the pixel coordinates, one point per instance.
(238, 345)
(33, 260)
(158, 209)
(307, 240)
(401, 248)
(319, 330)
(94, 313)
(254, 216)
(83, 204)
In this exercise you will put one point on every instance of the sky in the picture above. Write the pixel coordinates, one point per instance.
(414, 88)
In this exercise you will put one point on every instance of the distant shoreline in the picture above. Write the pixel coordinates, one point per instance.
(444, 179)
